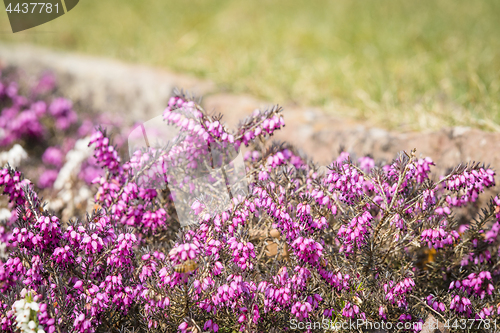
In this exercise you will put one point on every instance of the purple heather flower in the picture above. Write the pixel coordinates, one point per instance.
(47, 178)
(46, 83)
(53, 156)
(61, 109)
(366, 163)
(381, 312)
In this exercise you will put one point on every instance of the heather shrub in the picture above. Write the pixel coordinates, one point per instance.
(49, 135)
(359, 240)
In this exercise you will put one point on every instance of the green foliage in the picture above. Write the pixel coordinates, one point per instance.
(410, 64)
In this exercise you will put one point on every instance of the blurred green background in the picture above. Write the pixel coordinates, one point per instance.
(396, 63)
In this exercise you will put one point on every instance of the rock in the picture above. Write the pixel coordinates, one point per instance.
(432, 325)
(459, 130)
(274, 233)
(271, 247)
(137, 91)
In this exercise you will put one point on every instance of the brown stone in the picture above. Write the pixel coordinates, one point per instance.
(432, 325)
(274, 233)
(271, 247)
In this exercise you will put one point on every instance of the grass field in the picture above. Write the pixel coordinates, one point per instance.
(400, 64)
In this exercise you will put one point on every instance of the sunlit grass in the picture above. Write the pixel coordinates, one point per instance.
(399, 64)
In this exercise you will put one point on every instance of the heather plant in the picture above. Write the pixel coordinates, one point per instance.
(362, 239)
(46, 134)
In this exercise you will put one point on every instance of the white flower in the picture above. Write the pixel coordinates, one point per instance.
(19, 304)
(26, 313)
(14, 156)
(74, 159)
(5, 214)
(34, 306)
(3, 254)
(83, 194)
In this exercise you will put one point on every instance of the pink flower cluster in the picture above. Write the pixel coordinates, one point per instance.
(308, 250)
(480, 284)
(13, 185)
(436, 305)
(242, 251)
(106, 155)
(395, 292)
(438, 238)
(354, 233)
(347, 180)
(261, 124)
(28, 113)
(468, 185)
(423, 168)
(184, 252)
(461, 305)
(352, 310)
